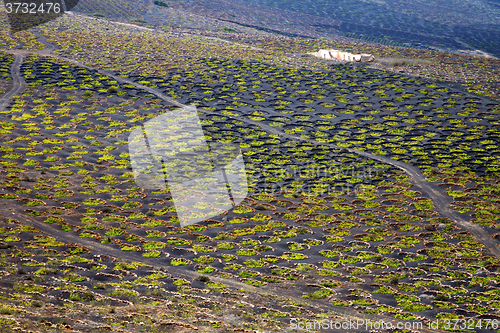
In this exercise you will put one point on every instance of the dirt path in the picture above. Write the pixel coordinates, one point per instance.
(49, 47)
(18, 79)
(472, 50)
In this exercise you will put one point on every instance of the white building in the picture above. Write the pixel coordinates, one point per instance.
(343, 56)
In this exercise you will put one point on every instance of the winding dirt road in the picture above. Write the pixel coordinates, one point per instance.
(18, 79)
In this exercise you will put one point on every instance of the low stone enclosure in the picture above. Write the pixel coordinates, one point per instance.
(343, 56)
